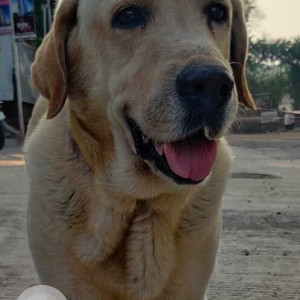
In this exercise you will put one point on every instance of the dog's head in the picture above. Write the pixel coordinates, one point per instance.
(166, 75)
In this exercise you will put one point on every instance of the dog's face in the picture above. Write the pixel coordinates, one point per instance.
(167, 75)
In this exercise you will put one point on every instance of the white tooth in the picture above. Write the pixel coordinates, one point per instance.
(146, 140)
(207, 133)
(159, 147)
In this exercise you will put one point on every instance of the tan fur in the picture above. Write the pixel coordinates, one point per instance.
(102, 223)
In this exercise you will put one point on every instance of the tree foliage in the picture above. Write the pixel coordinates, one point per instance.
(273, 66)
(274, 69)
(250, 8)
(253, 15)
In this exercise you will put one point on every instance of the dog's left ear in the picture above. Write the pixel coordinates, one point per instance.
(239, 53)
(49, 70)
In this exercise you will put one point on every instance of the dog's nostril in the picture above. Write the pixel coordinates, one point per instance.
(197, 85)
(225, 91)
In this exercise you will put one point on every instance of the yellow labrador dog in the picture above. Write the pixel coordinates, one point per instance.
(125, 155)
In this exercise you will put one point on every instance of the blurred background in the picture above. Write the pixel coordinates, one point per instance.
(274, 62)
(23, 24)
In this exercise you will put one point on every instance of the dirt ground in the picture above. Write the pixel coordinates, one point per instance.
(259, 256)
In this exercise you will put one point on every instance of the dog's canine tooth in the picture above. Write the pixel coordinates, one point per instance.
(146, 140)
(207, 133)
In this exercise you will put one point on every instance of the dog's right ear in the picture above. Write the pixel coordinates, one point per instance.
(239, 52)
(49, 70)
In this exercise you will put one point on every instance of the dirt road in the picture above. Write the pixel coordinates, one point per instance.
(260, 248)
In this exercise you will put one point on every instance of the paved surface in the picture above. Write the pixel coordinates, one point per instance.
(260, 247)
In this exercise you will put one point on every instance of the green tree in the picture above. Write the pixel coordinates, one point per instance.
(292, 59)
(274, 69)
(250, 7)
(253, 15)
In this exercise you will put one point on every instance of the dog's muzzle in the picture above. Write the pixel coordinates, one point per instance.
(188, 161)
(203, 94)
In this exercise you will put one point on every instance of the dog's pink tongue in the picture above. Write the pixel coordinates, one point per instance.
(191, 160)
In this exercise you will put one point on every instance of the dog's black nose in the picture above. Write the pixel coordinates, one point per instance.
(204, 89)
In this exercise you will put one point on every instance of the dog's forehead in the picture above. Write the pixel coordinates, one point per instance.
(88, 9)
(92, 7)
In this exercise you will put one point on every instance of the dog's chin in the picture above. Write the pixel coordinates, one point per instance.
(167, 159)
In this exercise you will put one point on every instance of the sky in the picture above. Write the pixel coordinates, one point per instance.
(281, 18)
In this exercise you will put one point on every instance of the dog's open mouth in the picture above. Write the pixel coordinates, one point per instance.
(188, 161)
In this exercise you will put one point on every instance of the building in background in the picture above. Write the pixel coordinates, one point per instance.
(32, 20)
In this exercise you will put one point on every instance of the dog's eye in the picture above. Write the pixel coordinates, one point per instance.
(130, 17)
(217, 13)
